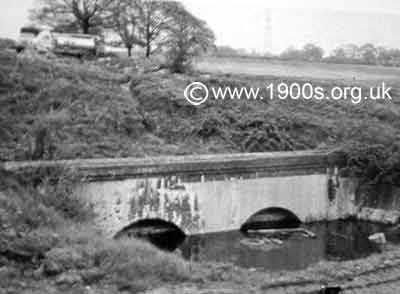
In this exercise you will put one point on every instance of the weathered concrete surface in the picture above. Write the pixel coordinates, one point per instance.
(205, 203)
(211, 193)
(379, 196)
(390, 217)
(379, 203)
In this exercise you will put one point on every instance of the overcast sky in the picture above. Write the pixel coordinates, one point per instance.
(245, 24)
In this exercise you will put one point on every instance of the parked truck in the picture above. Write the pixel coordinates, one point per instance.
(60, 43)
(26, 37)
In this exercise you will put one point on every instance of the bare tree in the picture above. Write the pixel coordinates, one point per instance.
(84, 15)
(155, 20)
(124, 20)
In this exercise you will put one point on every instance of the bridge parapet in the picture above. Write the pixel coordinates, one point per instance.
(270, 164)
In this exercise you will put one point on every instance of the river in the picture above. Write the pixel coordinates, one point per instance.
(334, 241)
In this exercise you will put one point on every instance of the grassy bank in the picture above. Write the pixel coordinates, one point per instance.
(62, 109)
(47, 240)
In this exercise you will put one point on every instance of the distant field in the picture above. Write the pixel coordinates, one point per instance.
(252, 66)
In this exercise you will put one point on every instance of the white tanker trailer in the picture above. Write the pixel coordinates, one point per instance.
(59, 43)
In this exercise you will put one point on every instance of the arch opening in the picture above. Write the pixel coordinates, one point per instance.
(271, 218)
(162, 234)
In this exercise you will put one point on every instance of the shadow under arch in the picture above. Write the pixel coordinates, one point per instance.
(271, 218)
(162, 234)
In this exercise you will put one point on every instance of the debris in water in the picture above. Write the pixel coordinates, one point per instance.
(276, 241)
(309, 234)
(297, 252)
(378, 238)
(283, 232)
(251, 242)
(264, 244)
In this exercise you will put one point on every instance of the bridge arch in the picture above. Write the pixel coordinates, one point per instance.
(271, 218)
(161, 233)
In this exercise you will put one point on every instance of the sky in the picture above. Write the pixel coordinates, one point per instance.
(273, 25)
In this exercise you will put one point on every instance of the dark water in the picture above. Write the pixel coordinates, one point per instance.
(335, 241)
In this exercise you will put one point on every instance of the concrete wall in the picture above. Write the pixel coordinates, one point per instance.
(379, 203)
(214, 205)
(203, 194)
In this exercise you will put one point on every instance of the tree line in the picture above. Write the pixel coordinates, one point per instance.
(155, 26)
(367, 54)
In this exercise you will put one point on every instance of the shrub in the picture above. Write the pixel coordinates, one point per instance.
(126, 262)
(188, 37)
(42, 197)
(373, 164)
(7, 44)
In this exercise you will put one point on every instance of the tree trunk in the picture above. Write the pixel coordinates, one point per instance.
(148, 40)
(85, 26)
(129, 51)
(148, 49)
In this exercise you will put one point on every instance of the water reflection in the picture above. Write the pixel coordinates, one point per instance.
(339, 240)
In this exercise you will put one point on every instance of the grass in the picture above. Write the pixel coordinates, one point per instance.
(7, 44)
(126, 263)
(297, 69)
(61, 109)
(47, 232)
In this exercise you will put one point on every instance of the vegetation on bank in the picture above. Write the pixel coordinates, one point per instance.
(47, 238)
(47, 234)
(62, 109)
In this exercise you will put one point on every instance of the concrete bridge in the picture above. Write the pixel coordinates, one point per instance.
(203, 194)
